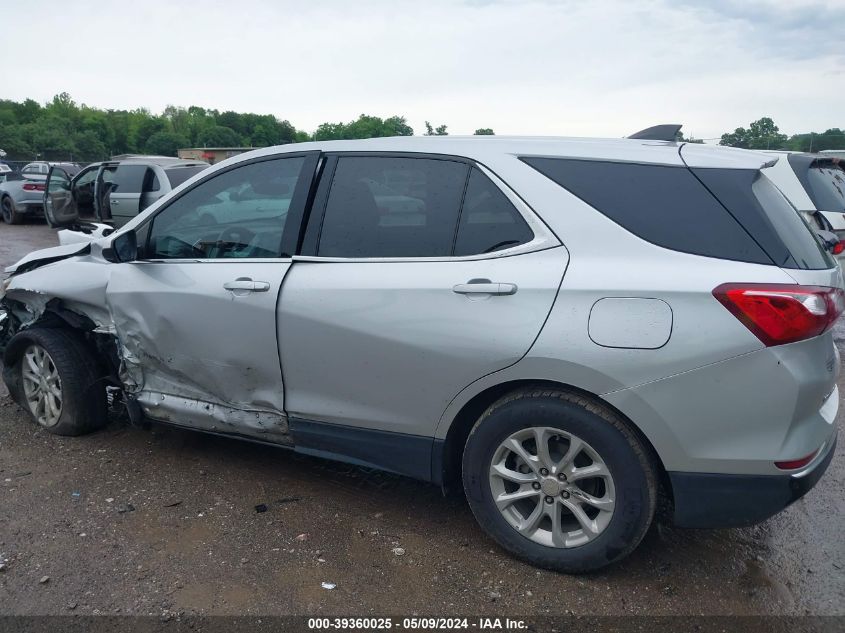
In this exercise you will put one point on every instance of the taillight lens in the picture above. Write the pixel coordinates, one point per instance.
(782, 313)
(839, 247)
(31, 186)
(792, 464)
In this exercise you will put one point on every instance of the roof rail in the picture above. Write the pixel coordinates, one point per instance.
(664, 132)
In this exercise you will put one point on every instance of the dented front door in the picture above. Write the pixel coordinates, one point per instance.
(196, 314)
(199, 342)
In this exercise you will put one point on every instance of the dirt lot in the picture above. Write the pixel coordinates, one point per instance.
(164, 522)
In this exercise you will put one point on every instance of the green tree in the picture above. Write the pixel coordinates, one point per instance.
(834, 138)
(365, 126)
(165, 143)
(89, 147)
(397, 126)
(440, 130)
(12, 142)
(218, 136)
(683, 139)
(484, 131)
(761, 134)
(302, 136)
(145, 128)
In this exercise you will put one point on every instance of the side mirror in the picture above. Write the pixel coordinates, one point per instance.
(123, 248)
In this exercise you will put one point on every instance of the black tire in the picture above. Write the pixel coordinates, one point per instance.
(628, 461)
(83, 401)
(10, 214)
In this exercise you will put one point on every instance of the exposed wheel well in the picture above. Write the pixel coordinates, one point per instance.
(103, 347)
(458, 432)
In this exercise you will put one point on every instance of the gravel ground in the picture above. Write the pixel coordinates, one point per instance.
(164, 522)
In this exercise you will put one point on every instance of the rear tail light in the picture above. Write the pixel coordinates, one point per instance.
(31, 186)
(838, 248)
(792, 464)
(782, 313)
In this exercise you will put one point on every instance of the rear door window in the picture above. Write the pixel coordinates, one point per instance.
(381, 206)
(128, 179)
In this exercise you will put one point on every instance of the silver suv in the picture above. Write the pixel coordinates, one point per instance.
(566, 327)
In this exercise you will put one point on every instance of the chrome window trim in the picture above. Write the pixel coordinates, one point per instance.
(215, 260)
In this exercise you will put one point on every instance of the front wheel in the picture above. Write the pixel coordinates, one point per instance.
(559, 481)
(56, 381)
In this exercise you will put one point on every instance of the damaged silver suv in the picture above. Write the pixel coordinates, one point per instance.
(565, 326)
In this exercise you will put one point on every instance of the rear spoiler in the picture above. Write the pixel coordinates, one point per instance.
(664, 132)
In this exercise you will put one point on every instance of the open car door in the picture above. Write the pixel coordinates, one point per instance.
(60, 207)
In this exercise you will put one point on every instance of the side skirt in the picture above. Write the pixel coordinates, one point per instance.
(409, 455)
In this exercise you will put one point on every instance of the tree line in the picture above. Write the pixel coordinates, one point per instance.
(64, 130)
(61, 129)
(764, 134)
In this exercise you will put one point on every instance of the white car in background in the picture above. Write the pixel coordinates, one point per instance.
(815, 185)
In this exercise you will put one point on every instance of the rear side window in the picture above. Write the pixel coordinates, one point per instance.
(489, 222)
(179, 175)
(129, 178)
(392, 207)
(827, 186)
(664, 205)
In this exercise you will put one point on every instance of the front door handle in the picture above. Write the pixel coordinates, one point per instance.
(243, 285)
(484, 287)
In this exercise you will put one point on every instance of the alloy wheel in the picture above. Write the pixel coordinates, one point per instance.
(552, 487)
(42, 385)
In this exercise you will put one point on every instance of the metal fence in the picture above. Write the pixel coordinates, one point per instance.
(17, 165)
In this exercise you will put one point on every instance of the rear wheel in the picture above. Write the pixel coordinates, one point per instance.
(57, 382)
(559, 480)
(10, 214)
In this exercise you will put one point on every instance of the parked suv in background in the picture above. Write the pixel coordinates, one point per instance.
(114, 192)
(815, 185)
(565, 326)
(22, 194)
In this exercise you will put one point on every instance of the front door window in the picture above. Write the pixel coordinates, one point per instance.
(239, 213)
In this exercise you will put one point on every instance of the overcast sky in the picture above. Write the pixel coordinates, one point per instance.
(581, 68)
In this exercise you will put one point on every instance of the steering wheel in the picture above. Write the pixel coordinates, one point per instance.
(235, 238)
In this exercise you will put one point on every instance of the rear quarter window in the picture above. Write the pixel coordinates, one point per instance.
(768, 216)
(827, 185)
(179, 175)
(664, 205)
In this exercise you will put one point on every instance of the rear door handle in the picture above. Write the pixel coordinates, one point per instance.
(244, 285)
(484, 287)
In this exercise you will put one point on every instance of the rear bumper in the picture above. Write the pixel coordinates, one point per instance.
(707, 500)
(29, 206)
